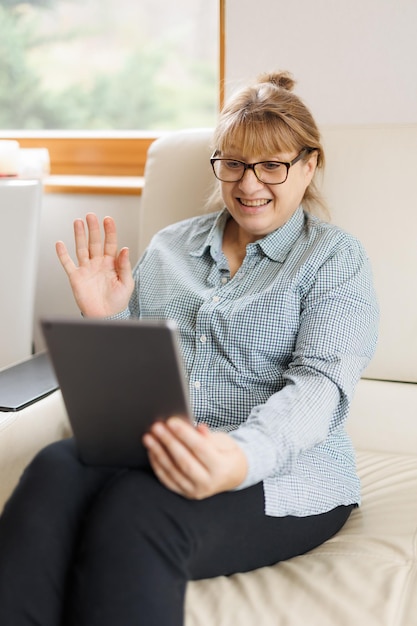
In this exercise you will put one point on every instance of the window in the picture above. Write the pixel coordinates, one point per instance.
(97, 80)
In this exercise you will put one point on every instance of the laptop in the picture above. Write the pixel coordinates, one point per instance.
(116, 379)
(26, 382)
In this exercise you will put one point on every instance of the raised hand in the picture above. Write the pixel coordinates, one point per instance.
(102, 281)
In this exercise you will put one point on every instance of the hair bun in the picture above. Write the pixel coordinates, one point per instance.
(284, 80)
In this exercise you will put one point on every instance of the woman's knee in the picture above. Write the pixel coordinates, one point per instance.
(56, 453)
(51, 462)
(136, 506)
(57, 475)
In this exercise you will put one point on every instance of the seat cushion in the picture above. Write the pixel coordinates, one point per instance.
(363, 575)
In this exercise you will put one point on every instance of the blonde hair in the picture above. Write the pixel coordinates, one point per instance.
(266, 118)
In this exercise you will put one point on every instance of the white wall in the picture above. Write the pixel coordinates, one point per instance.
(354, 61)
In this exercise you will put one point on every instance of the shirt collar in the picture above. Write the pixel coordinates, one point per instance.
(276, 245)
(214, 239)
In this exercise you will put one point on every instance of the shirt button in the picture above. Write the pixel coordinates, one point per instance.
(215, 299)
(197, 384)
(224, 280)
(203, 338)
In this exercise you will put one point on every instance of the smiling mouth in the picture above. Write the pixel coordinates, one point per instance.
(253, 203)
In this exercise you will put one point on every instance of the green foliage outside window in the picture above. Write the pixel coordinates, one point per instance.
(108, 64)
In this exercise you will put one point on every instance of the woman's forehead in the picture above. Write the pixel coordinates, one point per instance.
(247, 157)
(254, 141)
(251, 153)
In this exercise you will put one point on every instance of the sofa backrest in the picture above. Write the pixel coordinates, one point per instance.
(369, 184)
(178, 180)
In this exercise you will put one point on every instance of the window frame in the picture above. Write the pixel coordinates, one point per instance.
(102, 154)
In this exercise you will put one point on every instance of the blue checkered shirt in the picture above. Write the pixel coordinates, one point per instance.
(273, 354)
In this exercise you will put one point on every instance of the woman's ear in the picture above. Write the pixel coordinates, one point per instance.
(310, 166)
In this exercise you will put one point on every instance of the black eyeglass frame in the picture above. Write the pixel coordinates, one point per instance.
(252, 166)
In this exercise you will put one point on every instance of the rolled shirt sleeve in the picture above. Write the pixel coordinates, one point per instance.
(335, 342)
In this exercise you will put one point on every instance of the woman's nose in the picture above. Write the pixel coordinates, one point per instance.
(249, 181)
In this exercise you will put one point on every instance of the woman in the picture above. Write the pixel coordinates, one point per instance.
(278, 319)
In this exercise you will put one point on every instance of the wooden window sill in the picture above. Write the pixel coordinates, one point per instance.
(112, 185)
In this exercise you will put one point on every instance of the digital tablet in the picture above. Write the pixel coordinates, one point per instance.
(116, 379)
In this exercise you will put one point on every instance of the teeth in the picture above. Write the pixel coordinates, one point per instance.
(253, 202)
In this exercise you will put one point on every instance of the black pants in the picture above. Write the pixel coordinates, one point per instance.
(92, 546)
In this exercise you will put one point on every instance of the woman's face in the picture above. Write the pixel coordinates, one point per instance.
(259, 208)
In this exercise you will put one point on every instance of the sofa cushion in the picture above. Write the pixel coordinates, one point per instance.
(383, 417)
(363, 575)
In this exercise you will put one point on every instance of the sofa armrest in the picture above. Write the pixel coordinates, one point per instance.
(24, 432)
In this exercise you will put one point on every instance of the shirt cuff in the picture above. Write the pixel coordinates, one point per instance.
(123, 315)
(260, 453)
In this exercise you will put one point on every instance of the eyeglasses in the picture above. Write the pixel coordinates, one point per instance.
(268, 172)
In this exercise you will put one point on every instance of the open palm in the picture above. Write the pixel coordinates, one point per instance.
(102, 281)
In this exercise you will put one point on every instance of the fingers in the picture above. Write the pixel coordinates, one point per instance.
(95, 246)
(124, 266)
(81, 245)
(168, 473)
(110, 237)
(172, 448)
(64, 257)
(195, 462)
(181, 437)
(92, 246)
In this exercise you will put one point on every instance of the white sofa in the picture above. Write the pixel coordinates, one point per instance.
(367, 574)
